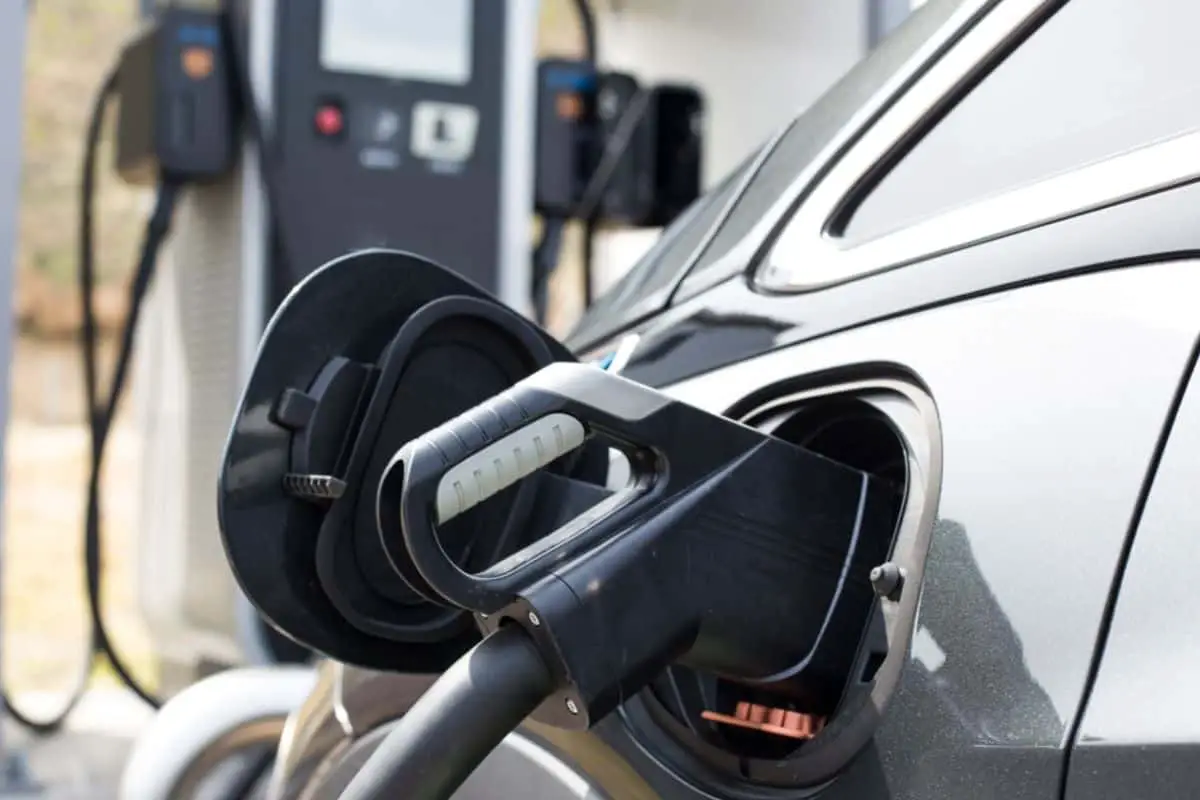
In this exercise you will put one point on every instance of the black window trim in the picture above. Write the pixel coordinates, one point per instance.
(806, 254)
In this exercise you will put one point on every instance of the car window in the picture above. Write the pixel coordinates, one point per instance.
(1095, 80)
(815, 128)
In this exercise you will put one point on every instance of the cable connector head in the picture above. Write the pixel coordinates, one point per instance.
(178, 116)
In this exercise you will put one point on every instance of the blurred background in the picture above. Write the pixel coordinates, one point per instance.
(69, 45)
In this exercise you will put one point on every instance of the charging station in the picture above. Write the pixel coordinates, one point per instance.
(402, 124)
(437, 132)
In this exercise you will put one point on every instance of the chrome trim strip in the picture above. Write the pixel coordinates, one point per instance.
(806, 257)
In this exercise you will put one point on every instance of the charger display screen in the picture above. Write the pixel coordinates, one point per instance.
(421, 40)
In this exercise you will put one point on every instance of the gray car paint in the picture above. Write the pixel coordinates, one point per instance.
(1010, 611)
(1140, 736)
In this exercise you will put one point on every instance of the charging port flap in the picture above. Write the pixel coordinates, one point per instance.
(365, 354)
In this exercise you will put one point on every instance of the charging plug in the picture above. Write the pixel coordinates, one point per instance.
(178, 112)
(731, 552)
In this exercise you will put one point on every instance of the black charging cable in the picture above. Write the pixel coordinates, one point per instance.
(548, 250)
(546, 254)
(157, 229)
(461, 718)
(100, 414)
(51, 725)
(587, 23)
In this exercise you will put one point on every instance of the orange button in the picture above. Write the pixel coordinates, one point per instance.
(569, 105)
(197, 62)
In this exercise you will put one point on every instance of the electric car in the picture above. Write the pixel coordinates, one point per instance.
(971, 271)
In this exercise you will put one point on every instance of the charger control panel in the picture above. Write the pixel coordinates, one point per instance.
(403, 124)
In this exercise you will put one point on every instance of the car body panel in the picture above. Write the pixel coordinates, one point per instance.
(316, 734)
(1140, 736)
(732, 322)
(1131, 205)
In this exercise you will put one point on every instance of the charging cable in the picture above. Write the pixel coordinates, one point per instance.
(100, 414)
(546, 254)
(587, 22)
(461, 718)
(548, 250)
(100, 411)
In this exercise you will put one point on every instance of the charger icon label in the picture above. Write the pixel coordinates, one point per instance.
(444, 132)
(197, 62)
(386, 126)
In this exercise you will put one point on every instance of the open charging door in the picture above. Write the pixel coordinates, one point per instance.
(364, 355)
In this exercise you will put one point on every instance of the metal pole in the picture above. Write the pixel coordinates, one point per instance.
(13, 778)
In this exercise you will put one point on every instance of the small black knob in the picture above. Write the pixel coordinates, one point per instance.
(888, 581)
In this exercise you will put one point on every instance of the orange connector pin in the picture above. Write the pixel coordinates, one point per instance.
(777, 721)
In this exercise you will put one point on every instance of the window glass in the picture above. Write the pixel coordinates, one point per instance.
(671, 253)
(1097, 79)
(813, 130)
(808, 134)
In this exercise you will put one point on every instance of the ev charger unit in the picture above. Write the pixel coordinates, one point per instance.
(385, 120)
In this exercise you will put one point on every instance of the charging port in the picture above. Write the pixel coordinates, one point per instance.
(731, 722)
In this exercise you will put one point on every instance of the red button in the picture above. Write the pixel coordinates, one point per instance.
(329, 120)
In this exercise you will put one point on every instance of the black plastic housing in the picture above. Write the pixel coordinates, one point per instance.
(629, 196)
(676, 116)
(566, 94)
(732, 552)
(343, 377)
(178, 111)
(655, 135)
